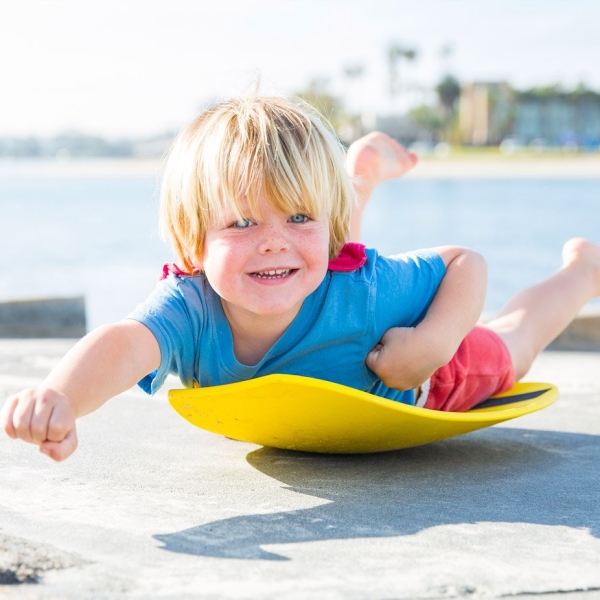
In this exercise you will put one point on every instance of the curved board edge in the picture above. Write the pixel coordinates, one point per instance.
(320, 416)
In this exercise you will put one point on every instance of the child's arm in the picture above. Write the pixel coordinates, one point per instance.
(406, 357)
(371, 160)
(106, 362)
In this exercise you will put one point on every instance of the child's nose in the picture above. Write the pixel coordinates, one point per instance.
(274, 240)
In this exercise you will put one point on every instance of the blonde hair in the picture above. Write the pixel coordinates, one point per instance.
(242, 148)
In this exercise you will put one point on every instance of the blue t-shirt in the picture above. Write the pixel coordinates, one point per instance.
(337, 326)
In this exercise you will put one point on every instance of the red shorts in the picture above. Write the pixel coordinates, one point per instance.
(480, 368)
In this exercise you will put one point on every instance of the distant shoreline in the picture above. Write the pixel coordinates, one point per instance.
(92, 167)
(460, 167)
(577, 167)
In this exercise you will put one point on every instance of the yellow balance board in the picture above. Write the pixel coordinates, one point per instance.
(301, 413)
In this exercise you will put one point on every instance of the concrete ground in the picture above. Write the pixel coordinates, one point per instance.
(151, 507)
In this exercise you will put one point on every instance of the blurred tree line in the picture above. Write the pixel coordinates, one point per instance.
(79, 145)
(74, 144)
(437, 119)
(432, 122)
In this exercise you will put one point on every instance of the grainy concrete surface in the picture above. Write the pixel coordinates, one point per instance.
(150, 507)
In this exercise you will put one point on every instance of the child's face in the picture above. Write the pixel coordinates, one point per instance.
(266, 265)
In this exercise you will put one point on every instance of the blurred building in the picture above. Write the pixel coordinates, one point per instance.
(492, 112)
(486, 113)
(558, 118)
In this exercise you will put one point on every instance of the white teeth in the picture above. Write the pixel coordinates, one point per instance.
(274, 273)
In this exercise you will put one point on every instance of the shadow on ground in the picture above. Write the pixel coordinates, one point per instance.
(500, 475)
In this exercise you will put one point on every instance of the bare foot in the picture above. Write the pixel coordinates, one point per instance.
(371, 160)
(579, 252)
(377, 157)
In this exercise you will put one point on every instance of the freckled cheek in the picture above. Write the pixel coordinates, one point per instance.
(320, 244)
(222, 272)
(316, 252)
(225, 252)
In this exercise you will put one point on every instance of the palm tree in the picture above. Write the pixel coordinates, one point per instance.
(448, 91)
(397, 52)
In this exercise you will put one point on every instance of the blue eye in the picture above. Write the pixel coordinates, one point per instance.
(242, 224)
(298, 219)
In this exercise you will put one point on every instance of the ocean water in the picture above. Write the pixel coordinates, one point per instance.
(97, 236)
(519, 225)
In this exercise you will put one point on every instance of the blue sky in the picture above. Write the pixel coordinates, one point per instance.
(137, 67)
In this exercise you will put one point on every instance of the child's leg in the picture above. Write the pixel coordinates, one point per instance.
(371, 160)
(485, 365)
(538, 314)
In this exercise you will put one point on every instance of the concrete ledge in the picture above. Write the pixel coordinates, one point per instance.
(43, 318)
(582, 334)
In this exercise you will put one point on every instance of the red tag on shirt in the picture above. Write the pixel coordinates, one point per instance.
(351, 257)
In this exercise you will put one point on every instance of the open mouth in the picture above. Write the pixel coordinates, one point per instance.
(273, 274)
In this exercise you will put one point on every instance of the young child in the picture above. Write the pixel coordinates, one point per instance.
(258, 205)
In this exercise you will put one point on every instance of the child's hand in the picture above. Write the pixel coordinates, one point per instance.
(377, 157)
(43, 417)
(404, 358)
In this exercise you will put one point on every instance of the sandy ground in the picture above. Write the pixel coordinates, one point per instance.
(553, 167)
(582, 167)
